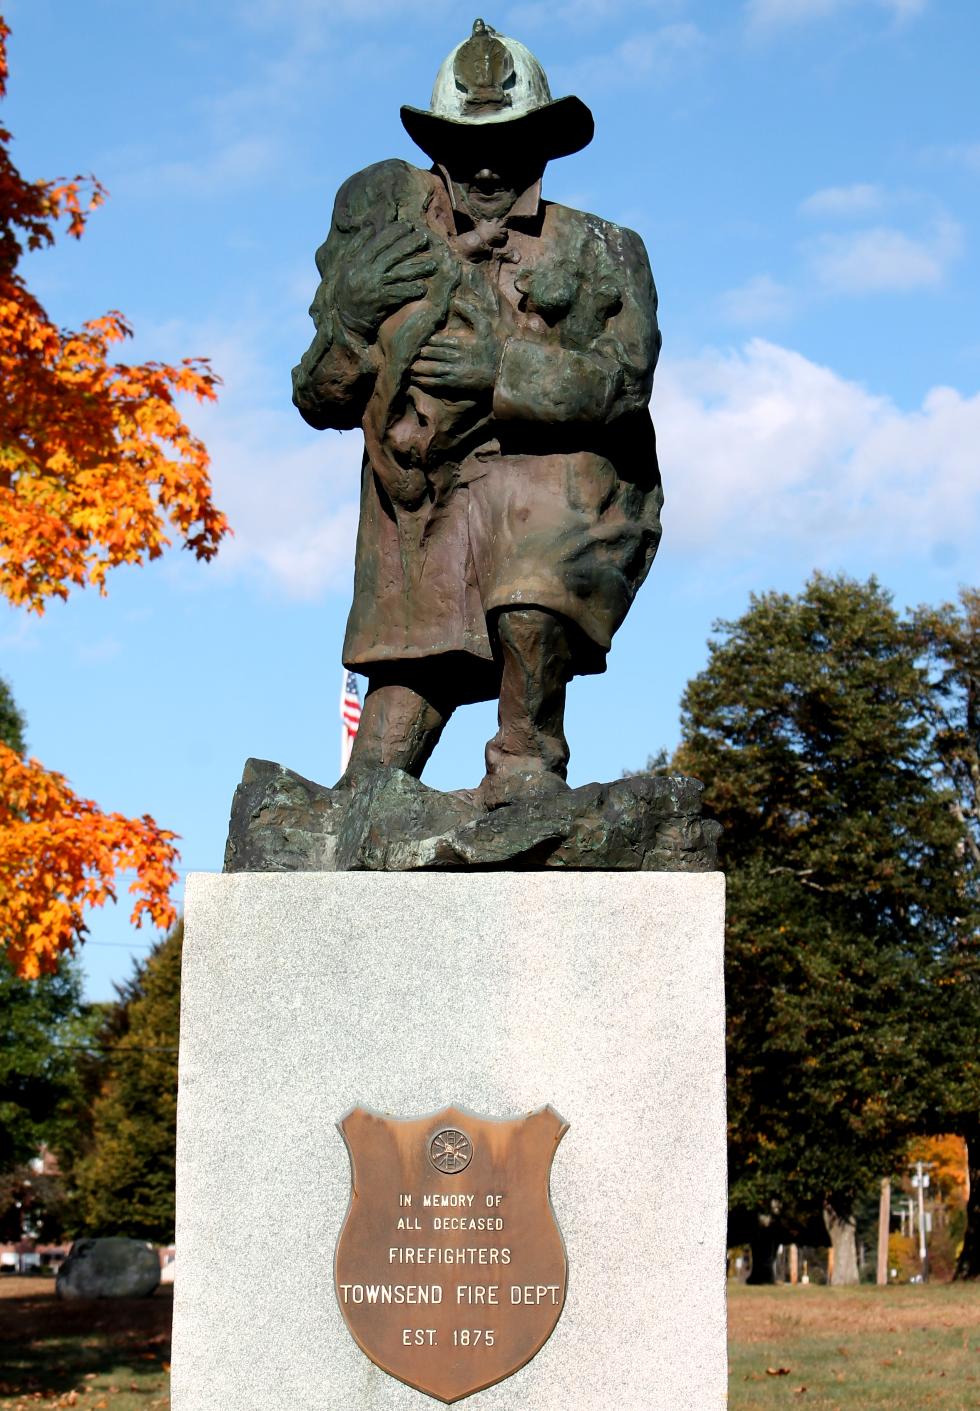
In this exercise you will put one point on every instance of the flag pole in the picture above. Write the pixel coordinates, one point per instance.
(350, 715)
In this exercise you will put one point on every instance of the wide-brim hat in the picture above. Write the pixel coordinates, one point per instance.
(493, 88)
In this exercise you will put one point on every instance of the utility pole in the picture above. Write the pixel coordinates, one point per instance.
(884, 1227)
(920, 1180)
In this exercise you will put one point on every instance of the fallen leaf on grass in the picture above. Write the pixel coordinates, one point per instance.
(798, 1391)
(777, 1371)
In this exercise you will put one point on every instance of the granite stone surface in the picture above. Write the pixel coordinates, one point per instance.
(305, 995)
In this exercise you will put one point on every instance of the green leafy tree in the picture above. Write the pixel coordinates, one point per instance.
(949, 638)
(11, 720)
(43, 1032)
(34, 1205)
(124, 1180)
(42, 1027)
(810, 729)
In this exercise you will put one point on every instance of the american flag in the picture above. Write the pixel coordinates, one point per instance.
(350, 717)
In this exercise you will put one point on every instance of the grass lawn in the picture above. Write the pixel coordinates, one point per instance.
(905, 1348)
(897, 1349)
(111, 1355)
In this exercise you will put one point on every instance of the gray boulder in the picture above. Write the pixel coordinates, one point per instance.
(109, 1268)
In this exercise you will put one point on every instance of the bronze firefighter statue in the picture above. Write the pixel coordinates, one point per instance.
(498, 351)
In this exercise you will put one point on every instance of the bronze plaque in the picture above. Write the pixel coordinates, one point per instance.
(450, 1269)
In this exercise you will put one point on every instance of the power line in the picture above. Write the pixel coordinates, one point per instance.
(122, 945)
(115, 1048)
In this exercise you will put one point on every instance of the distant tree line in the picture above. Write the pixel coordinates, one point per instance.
(839, 744)
(97, 1086)
(97, 469)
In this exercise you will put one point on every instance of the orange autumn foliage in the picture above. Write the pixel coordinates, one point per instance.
(946, 1157)
(95, 460)
(60, 853)
(96, 465)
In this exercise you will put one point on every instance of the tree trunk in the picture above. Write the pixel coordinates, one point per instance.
(843, 1241)
(968, 1263)
(884, 1229)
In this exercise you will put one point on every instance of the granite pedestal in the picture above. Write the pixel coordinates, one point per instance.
(305, 995)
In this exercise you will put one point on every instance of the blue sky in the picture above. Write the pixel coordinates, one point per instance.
(806, 175)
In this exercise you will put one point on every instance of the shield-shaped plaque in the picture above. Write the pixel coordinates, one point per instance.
(450, 1268)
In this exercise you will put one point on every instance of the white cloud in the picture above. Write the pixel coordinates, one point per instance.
(23, 633)
(290, 12)
(962, 154)
(781, 12)
(291, 494)
(969, 155)
(293, 507)
(654, 55)
(883, 258)
(764, 450)
(104, 649)
(860, 199)
(578, 14)
(778, 14)
(761, 299)
(233, 166)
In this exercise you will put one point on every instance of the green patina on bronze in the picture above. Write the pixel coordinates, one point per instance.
(497, 351)
(281, 822)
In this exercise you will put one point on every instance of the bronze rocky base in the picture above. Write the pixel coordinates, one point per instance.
(390, 822)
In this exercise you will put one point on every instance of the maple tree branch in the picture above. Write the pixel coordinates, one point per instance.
(802, 875)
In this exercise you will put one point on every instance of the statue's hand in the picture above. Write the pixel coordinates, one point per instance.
(461, 362)
(380, 272)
